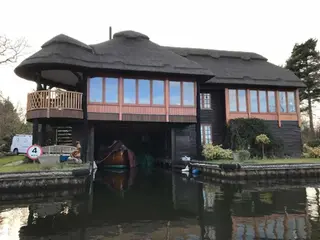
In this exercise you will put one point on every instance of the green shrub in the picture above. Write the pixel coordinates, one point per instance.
(243, 155)
(314, 143)
(242, 133)
(216, 152)
(311, 152)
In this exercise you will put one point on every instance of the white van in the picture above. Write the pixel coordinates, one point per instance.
(20, 143)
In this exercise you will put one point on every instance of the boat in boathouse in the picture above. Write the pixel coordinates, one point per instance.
(117, 156)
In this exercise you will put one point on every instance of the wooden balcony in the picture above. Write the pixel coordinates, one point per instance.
(54, 104)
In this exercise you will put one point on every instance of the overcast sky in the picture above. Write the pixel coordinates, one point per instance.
(267, 27)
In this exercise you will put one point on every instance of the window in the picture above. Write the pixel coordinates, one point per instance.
(129, 90)
(263, 101)
(206, 134)
(188, 93)
(95, 90)
(242, 101)
(271, 101)
(237, 100)
(205, 100)
(175, 93)
(283, 102)
(254, 101)
(111, 90)
(291, 102)
(158, 92)
(144, 91)
(233, 100)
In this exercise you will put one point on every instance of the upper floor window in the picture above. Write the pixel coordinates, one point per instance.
(188, 93)
(144, 96)
(287, 102)
(175, 93)
(111, 90)
(95, 90)
(158, 92)
(262, 101)
(103, 90)
(254, 101)
(291, 102)
(237, 100)
(271, 101)
(181, 93)
(143, 91)
(205, 100)
(129, 90)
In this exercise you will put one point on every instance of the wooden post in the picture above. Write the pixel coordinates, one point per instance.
(43, 133)
(85, 118)
(198, 124)
(278, 108)
(90, 152)
(298, 107)
(226, 94)
(35, 122)
(173, 146)
(35, 131)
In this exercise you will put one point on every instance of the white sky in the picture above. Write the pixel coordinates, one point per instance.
(267, 27)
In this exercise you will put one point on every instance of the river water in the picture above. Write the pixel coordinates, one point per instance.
(161, 205)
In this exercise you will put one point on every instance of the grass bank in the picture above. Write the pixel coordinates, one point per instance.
(27, 167)
(271, 161)
(30, 167)
(10, 159)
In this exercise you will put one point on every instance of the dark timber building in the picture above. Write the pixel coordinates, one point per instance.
(164, 100)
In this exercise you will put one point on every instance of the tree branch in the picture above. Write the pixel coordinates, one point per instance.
(11, 50)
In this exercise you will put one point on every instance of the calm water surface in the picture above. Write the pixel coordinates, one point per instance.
(159, 205)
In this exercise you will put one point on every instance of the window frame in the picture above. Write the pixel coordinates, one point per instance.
(203, 135)
(258, 90)
(202, 102)
(237, 100)
(182, 94)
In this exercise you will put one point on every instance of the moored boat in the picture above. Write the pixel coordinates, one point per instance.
(117, 156)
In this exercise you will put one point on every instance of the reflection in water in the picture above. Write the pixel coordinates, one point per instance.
(164, 206)
(11, 221)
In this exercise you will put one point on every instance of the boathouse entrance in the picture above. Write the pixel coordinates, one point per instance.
(158, 140)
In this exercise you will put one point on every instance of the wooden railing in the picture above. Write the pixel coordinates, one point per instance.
(54, 99)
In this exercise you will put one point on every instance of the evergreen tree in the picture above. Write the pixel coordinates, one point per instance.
(12, 122)
(305, 63)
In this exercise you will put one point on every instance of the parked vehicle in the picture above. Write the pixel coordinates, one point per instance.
(21, 143)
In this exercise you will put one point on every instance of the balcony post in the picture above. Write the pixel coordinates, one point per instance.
(198, 124)
(85, 118)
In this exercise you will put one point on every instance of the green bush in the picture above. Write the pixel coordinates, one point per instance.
(242, 133)
(311, 152)
(243, 155)
(216, 152)
(314, 143)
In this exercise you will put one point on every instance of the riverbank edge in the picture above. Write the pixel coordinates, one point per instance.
(238, 171)
(46, 179)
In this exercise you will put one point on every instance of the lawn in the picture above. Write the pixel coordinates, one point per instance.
(30, 167)
(26, 167)
(271, 161)
(10, 159)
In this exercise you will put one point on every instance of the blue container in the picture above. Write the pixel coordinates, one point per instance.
(64, 158)
(195, 171)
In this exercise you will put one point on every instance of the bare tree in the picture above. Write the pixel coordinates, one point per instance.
(11, 50)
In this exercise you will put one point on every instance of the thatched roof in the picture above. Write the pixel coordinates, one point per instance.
(245, 68)
(127, 51)
(130, 51)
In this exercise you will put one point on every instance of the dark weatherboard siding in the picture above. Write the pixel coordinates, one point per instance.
(290, 133)
(186, 141)
(216, 116)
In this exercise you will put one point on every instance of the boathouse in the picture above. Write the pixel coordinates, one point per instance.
(167, 101)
